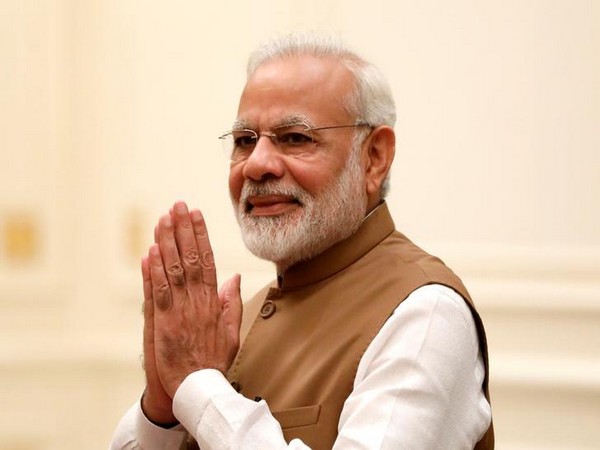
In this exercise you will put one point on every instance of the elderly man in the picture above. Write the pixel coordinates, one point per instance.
(364, 341)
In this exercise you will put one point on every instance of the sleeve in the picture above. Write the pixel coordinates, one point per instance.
(419, 384)
(213, 412)
(220, 418)
(136, 432)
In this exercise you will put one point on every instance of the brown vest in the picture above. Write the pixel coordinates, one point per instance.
(302, 351)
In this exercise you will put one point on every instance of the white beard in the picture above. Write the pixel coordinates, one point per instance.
(320, 221)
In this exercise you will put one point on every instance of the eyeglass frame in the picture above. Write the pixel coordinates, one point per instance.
(272, 135)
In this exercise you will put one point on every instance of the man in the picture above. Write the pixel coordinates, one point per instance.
(363, 342)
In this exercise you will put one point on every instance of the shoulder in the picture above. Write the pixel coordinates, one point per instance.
(433, 324)
(437, 297)
(440, 305)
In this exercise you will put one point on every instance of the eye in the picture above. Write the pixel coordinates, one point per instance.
(294, 138)
(244, 141)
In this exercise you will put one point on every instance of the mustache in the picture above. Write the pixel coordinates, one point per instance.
(271, 187)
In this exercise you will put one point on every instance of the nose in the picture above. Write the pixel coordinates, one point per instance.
(264, 162)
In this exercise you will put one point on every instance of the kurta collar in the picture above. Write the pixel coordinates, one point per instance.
(375, 227)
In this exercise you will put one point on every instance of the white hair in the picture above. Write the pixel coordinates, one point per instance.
(371, 102)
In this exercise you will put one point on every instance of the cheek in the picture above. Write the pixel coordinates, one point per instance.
(236, 181)
(315, 178)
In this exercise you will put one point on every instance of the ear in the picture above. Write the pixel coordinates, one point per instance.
(380, 154)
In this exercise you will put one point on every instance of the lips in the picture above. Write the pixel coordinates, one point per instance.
(270, 205)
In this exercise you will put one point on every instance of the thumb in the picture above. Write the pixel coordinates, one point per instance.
(231, 305)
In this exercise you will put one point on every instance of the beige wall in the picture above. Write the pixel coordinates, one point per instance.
(110, 112)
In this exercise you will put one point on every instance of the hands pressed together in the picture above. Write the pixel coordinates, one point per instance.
(188, 325)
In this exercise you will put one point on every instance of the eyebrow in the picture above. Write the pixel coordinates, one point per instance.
(294, 119)
(240, 124)
(286, 121)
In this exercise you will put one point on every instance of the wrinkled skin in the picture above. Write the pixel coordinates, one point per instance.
(188, 325)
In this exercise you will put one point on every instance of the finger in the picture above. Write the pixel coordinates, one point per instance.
(155, 401)
(207, 260)
(148, 310)
(156, 234)
(147, 285)
(161, 291)
(170, 254)
(186, 244)
(232, 306)
(230, 290)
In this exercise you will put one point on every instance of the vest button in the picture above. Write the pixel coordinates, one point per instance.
(268, 309)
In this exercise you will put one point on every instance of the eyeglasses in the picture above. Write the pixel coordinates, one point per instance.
(295, 139)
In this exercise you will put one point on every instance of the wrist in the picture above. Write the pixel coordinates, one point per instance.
(161, 417)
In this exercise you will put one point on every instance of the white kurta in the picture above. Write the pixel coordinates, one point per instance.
(418, 386)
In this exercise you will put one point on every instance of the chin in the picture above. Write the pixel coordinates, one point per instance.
(286, 242)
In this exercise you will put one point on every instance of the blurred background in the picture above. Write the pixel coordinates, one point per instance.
(110, 111)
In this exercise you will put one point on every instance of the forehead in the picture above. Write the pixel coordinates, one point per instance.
(314, 87)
